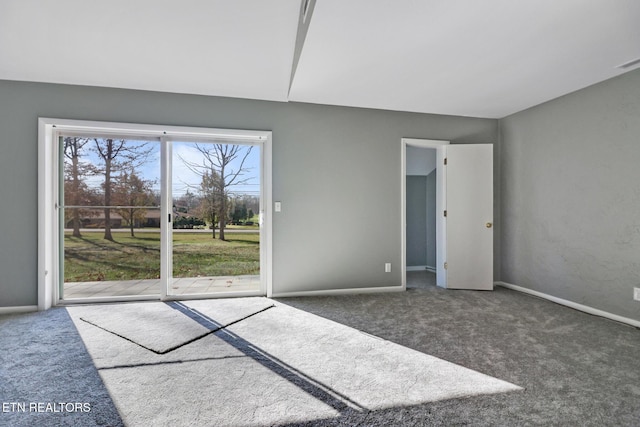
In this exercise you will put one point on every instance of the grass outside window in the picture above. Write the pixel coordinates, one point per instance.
(195, 254)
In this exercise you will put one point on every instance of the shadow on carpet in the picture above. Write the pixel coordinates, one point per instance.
(164, 327)
(47, 378)
(269, 364)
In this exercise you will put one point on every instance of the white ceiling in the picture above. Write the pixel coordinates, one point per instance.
(487, 58)
(230, 48)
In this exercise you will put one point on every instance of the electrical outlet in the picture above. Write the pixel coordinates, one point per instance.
(387, 267)
(636, 294)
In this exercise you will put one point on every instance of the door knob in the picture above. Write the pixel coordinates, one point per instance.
(489, 225)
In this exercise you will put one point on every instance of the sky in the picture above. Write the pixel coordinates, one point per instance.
(183, 178)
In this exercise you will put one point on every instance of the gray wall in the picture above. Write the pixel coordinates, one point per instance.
(336, 170)
(571, 196)
(420, 160)
(416, 221)
(421, 207)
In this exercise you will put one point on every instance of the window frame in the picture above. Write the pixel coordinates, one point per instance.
(49, 245)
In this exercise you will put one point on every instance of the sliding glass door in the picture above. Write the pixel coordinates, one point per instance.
(110, 217)
(215, 190)
(152, 216)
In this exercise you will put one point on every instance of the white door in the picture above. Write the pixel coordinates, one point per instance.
(469, 216)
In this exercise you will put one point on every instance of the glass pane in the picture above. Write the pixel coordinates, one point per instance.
(111, 217)
(216, 232)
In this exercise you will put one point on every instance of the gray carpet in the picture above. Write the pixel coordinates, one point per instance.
(278, 365)
(163, 327)
(43, 360)
(369, 372)
(154, 326)
(576, 369)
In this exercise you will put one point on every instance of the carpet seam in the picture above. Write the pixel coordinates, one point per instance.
(169, 362)
(199, 337)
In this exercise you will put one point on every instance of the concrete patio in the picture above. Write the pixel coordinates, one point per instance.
(180, 286)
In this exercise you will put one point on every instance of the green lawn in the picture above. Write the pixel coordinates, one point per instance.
(91, 258)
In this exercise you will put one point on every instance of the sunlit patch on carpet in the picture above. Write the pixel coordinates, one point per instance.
(260, 363)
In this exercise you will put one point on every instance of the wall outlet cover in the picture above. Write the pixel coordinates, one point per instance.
(636, 294)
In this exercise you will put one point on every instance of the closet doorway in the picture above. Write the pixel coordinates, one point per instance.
(447, 213)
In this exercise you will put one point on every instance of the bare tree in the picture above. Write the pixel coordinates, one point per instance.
(117, 155)
(75, 187)
(221, 168)
(132, 191)
(209, 204)
(186, 202)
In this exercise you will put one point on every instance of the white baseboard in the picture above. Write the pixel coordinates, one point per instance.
(571, 304)
(18, 309)
(349, 291)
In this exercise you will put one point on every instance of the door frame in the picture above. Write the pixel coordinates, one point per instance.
(48, 176)
(441, 197)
